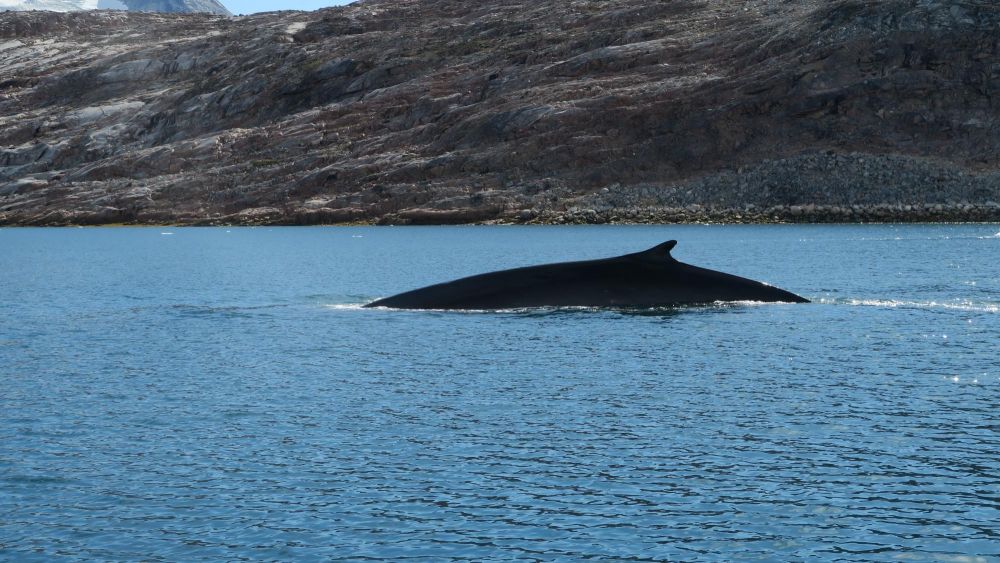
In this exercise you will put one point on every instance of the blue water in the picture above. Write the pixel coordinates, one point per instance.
(217, 394)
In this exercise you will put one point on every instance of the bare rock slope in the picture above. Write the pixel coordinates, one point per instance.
(438, 111)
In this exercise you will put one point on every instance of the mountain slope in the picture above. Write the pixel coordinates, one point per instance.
(169, 6)
(448, 111)
(177, 6)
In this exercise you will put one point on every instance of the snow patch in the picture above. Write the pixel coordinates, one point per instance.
(50, 5)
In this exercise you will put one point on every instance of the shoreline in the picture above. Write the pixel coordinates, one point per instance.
(960, 213)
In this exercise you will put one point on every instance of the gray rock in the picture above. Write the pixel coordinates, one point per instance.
(440, 111)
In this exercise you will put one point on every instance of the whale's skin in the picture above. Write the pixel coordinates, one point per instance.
(652, 278)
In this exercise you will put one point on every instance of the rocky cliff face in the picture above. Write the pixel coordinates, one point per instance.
(451, 111)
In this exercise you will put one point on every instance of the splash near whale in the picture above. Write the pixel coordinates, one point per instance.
(652, 278)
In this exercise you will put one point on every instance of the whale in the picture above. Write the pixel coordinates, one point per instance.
(648, 279)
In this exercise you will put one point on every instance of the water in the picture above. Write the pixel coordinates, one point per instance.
(193, 394)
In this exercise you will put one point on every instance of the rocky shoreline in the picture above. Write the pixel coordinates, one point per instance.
(795, 214)
(888, 213)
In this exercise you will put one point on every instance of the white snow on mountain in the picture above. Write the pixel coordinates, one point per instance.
(51, 5)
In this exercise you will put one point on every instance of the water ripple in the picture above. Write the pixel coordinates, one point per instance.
(956, 305)
(238, 403)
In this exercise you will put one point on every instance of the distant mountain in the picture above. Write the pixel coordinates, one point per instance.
(168, 6)
(505, 110)
(50, 5)
(175, 6)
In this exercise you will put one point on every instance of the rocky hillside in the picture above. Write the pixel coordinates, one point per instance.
(431, 111)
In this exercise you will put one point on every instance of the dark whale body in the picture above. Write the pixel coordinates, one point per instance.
(652, 278)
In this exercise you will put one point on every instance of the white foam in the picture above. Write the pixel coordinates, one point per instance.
(746, 303)
(359, 306)
(346, 306)
(981, 307)
(568, 308)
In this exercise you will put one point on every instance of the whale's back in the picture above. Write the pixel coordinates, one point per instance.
(645, 279)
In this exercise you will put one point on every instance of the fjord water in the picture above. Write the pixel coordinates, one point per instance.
(203, 393)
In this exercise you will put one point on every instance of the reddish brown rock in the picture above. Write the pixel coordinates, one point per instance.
(449, 111)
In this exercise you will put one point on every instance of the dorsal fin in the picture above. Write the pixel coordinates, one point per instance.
(660, 251)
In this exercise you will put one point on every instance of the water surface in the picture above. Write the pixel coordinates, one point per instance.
(193, 394)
